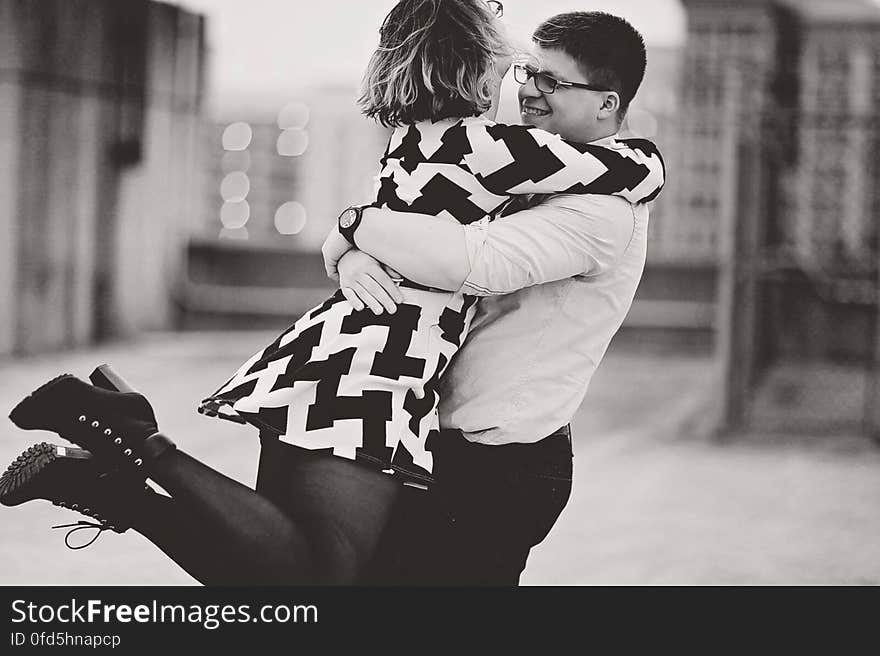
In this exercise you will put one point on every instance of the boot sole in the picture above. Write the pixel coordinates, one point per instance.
(25, 472)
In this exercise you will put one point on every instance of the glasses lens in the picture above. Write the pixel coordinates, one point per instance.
(496, 7)
(544, 83)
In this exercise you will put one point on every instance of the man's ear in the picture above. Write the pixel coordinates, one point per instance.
(609, 105)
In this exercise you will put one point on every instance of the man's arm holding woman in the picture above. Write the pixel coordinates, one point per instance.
(565, 236)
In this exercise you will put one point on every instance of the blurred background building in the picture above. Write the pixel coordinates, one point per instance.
(778, 172)
(100, 117)
(143, 189)
(276, 183)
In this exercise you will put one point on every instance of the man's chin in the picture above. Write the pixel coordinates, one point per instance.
(534, 119)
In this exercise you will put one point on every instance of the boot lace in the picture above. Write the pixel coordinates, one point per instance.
(78, 526)
(102, 525)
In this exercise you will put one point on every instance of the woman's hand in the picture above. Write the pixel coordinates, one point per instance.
(365, 282)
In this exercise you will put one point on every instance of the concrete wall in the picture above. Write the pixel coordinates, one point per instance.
(99, 120)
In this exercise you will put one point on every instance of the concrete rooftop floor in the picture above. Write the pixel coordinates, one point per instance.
(654, 500)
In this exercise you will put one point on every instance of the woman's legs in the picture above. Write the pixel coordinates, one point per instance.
(168, 525)
(321, 524)
(353, 503)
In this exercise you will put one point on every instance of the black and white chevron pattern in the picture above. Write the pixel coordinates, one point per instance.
(365, 386)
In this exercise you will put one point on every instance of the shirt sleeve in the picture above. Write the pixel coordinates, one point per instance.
(516, 159)
(563, 237)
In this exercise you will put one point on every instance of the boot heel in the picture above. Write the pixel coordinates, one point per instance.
(104, 376)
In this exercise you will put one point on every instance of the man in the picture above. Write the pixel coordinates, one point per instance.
(558, 279)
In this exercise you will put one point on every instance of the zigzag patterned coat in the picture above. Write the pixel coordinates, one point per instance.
(365, 386)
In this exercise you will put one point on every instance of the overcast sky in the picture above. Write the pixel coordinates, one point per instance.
(267, 50)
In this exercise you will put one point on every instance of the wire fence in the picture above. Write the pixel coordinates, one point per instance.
(805, 278)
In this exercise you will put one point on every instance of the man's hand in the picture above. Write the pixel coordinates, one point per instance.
(364, 282)
(334, 247)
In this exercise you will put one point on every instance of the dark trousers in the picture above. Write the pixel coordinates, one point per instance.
(478, 522)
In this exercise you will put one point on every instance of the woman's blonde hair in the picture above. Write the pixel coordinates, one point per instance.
(435, 60)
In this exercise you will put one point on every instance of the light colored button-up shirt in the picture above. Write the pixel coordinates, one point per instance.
(558, 280)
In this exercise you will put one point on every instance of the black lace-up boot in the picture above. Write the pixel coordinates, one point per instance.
(118, 428)
(71, 478)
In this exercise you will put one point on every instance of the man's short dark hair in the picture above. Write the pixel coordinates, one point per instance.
(609, 51)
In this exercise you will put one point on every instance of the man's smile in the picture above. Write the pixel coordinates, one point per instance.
(528, 110)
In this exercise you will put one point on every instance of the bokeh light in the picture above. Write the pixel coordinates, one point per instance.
(641, 123)
(235, 187)
(237, 136)
(236, 160)
(293, 142)
(235, 215)
(293, 115)
(290, 218)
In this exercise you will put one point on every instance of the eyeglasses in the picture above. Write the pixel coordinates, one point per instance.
(496, 8)
(544, 83)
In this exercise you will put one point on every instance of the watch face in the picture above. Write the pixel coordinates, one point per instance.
(348, 218)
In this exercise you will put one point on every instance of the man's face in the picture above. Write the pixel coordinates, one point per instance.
(569, 112)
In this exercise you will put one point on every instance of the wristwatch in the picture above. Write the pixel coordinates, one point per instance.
(348, 222)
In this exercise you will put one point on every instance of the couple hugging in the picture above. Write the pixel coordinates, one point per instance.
(414, 426)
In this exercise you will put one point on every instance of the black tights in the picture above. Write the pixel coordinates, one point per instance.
(314, 518)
